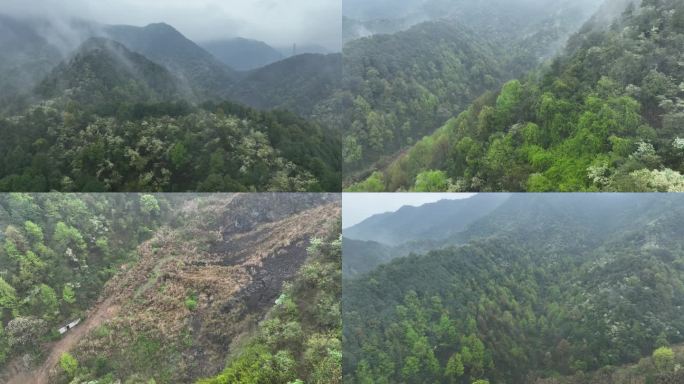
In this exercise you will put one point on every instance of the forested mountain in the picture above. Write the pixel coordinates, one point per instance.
(103, 72)
(398, 87)
(545, 286)
(169, 287)
(402, 86)
(165, 147)
(243, 54)
(197, 68)
(123, 108)
(303, 83)
(603, 116)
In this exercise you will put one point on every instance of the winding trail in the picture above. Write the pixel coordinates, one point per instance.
(102, 312)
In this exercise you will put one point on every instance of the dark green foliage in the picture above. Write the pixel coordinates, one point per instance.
(303, 84)
(122, 114)
(104, 73)
(546, 285)
(166, 146)
(400, 87)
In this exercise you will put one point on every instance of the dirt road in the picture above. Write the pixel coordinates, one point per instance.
(103, 312)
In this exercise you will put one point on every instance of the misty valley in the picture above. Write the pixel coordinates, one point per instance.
(86, 106)
(519, 289)
(521, 95)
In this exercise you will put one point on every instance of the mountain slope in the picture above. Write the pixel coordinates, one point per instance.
(198, 69)
(405, 85)
(196, 290)
(166, 146)
(579, 283)
(398, 87)
(58, 252)
(299, 83)
(604, 116)
(243, 54)
(103, 71)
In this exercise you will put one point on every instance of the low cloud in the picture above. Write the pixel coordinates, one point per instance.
(278, 22)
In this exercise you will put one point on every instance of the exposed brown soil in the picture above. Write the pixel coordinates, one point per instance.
(101, 313)
(233, 255)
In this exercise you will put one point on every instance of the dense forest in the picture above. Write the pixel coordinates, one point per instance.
(605, 115)
(401, 86)
(57, 253)
(545, 289)
(125, 108)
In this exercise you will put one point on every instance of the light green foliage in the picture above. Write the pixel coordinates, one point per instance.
(663, 358)
(68, 294)
(68, 363)
(34, 232)
(374, 183)
(57, 256)
(602, 107)
(8, 296)
(191, 302)
(454, 369)
(149, 205)
(431, 181)
(66, 236)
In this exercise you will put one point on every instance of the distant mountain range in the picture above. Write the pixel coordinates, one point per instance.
(37, 51)
(243, 54)
(430, 221)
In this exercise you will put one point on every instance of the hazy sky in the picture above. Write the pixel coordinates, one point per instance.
(357, 207)
(278, 22)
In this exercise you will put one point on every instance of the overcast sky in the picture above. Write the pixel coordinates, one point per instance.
(357, 207)
(278, 22)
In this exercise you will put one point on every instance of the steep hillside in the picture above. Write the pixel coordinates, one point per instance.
(243, 54)
(578, 284)
(398, 87)
(604, 116)
(194, 293)
(300, 83)
(200, 72)
(405, 85)
(58, 252)
(300, 339)
(103, 72)
(182, 302)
